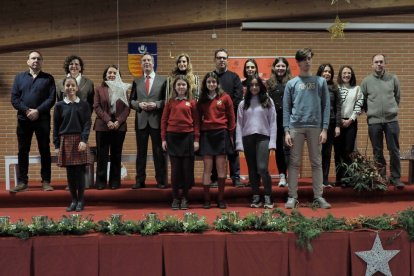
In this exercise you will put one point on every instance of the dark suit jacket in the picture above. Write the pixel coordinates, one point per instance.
(85, 93)
(157, 95)
(102, 107)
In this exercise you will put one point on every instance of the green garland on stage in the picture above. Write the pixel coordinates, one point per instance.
(306, 229)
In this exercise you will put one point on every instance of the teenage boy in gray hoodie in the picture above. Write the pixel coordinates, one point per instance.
(381, 102)
(306, 110)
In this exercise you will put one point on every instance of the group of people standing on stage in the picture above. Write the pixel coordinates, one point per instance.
(215, 118)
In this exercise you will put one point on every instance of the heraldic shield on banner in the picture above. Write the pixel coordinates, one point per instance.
(135, 52)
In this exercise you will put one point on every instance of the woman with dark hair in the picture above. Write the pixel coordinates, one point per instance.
(276, 88)
(352, 101)
(74, 67)
(256, 136)
(217, 126)
(112, 110)
(326, 71)
(250, 69)
(180, 134)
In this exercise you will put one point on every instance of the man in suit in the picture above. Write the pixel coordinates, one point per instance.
(147, 98)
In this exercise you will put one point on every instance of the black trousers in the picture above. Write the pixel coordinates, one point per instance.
(109, 141)
(24, 131)
(256, 150)
(327, 151)
(282, 152)
(344, 145)
(142, 137)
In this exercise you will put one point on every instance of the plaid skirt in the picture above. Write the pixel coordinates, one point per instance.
(69, 154)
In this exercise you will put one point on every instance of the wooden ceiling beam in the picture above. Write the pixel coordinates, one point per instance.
(45, 23)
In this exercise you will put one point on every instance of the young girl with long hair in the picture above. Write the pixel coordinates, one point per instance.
(72, 124)
(256, 136)
(327, 72)
(217, 127)
(276, 88)
(180, 135)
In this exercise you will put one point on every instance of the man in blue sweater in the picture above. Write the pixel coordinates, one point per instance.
(381, 102)
(33, 95)
(306, 110)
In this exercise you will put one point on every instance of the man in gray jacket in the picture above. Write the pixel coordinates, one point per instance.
(381, 102)
(147, 98)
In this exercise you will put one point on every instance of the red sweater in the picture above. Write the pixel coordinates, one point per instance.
(217, 114)
(180, 116)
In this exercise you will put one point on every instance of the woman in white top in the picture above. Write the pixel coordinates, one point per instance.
(352, 100)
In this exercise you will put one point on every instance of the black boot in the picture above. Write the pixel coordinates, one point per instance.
(220, 200)
(206, 204)
(74, 196)
(72, 190)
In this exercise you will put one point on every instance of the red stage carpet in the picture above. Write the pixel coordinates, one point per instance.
(211, 253)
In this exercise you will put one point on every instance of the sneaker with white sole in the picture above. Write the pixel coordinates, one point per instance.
(320, 202)
(291, 203)
(282, 180)
(256, 202)
(268, 202)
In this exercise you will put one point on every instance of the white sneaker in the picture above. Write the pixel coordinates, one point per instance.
(291, 203)
(282, 180)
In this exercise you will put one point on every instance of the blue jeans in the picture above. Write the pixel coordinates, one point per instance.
(392, 132)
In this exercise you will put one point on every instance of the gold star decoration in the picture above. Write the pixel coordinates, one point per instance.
(337, 29)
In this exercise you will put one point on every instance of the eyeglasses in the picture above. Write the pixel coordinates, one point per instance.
(223, 58)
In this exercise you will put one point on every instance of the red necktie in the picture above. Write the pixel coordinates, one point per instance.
(147, 84)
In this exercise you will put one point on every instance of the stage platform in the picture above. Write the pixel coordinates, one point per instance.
(212, 253)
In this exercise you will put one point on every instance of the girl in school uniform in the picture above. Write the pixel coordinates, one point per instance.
(180, 135)
(256, 136)
(72, 123)
(217, 127)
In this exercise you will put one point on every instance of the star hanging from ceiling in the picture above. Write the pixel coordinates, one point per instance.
(377, 258)
(337, 29)
(336, 1)
(119, 89)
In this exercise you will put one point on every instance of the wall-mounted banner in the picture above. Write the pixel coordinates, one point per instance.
(135, 52)
(264, 65)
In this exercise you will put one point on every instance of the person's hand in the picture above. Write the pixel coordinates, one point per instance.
(143, 105)
(32, 114)
(151, 106)
(346, 123)
(57, 151)
(288, 140)
(82, 146)
(323, 136)
(337, 131)
(196, 146)
(116, 125)
(164, 145)
(110, 125)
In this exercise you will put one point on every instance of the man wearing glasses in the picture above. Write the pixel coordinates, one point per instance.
(231, 84)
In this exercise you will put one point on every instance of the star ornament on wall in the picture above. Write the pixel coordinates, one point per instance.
(337, 29)
(119, 88)
(377, 258)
